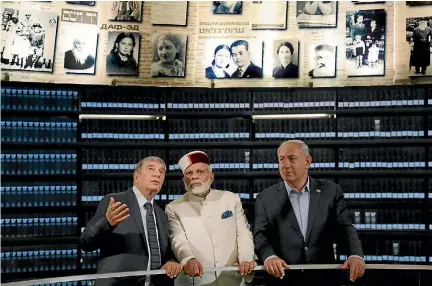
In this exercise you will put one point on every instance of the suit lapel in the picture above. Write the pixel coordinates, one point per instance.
(136, 216)
(287, 210)
(314, 201)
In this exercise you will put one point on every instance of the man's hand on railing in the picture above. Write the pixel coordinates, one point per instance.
(193, 268)
(356, 266)
(276, 267)
(172, 269)
(246, 267)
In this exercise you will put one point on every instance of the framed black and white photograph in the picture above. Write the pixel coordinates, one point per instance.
(227, 7)
(365, 42)
(233, 58)
(169, 55)
(268, 15)
(28, 39)
(322, 60)
(124, 53)
(86, 3)
(368, 2)
(419, 38)
(126, 11)
(418, 3)
(313, 14)
(286, 58)
(80, 43)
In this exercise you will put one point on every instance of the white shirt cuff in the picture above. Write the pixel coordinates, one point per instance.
(271, 256)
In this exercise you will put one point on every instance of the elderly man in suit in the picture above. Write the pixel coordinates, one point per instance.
(242, 58)
(131, 231)
(208, 228)
(297, 220)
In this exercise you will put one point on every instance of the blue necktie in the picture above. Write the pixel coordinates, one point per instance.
(155, 258)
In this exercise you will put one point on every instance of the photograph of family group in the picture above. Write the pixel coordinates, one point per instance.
(234, 59)
(28, 39)
(365, 42)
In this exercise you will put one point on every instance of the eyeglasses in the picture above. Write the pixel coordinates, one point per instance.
(199, 173)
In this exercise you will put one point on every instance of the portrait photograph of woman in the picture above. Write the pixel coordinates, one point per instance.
(220, 63)
(285, 59)
(169, 55)
(124, 51)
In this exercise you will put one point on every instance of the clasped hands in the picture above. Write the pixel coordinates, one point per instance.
(276, 267)
(194, 268)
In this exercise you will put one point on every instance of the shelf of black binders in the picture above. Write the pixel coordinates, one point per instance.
(386, 189)
(39, 175)
(346, 129)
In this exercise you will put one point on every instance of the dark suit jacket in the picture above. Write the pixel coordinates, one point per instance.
(252, 71)
(124, 247)
(277, 231)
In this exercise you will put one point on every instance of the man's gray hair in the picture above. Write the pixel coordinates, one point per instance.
(146, 160)
(303, 146)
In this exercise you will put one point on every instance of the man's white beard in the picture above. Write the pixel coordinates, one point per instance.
(200, 190)
(80, 57)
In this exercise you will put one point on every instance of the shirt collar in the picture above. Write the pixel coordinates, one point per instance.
(140, 198)
(305, 189)
(244, 68)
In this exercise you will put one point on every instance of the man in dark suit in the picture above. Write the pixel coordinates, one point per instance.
(241, 57)
(297, 220)
(131, 231)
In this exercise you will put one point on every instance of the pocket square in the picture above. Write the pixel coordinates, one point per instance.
(227, 214)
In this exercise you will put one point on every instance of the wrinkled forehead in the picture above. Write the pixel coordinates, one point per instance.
(197, 166)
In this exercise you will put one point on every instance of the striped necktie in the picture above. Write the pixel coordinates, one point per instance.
(155, 258)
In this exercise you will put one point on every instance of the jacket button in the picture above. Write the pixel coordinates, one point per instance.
(306, 248)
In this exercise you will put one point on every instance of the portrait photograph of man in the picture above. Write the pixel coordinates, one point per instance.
(322, 60)
(126, 11)
(233, 59)
(419, 38)
(312, 14)
(80, 49)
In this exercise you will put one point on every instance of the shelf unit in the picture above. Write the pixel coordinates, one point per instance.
(163, 98)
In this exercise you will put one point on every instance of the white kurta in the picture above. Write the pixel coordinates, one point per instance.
(197, 230)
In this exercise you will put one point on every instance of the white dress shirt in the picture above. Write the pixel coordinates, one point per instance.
(141, 202)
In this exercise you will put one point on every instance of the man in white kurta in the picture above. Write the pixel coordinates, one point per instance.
(208, 228)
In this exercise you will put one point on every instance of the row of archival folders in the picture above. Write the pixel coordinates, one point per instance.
(64, 224)
(54, 99)
(52, 258)
(65, 194)
(61, 162)
(64, 130)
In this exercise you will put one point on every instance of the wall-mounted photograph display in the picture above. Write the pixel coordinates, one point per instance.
(126, 11)
(418, 3)
(268, 15)
(419, 37)
(87, 3)
(322, 60)
(124, 53)
(368, 2)
(312, 14)
(28, 39)
(227, 7)
(169, 55)
(233, 58)
(286, 58)
(80, 49)
(169, 13)
(365, 42)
